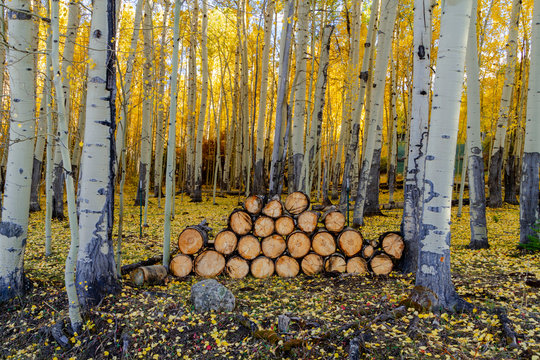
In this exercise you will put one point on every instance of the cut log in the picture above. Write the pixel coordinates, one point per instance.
(263, 227)
(296, 203)
(284, 225)
(323, 243)
(237, 268)
(350, 242)
(307, 221)
(209, 263)
(312, 264)
(335, 263)
(225, 242)
(368, 251)
(149, 275)
(287, 267)
(249, 247)
(381, 264)
(254, 204)
(393, 244)
(334, 221)
(298, 244)
(273, 246)
(240, 222)
(181, 265)
(274, 209)
(357, 265)
(262, 267)
(193, 238)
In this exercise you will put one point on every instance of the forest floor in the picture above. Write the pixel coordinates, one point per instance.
(326, 312)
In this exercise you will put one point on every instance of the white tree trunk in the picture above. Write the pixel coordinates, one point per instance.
(96, 270)
(14, 225)
(529, 206)
(68, 73)
(434, 252)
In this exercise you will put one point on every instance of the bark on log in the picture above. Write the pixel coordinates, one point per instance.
(284, 225)
(368, 251)
(381, 264)
(334, 220)
(254, 204)
(262, 267)
(263, 227)
(237, 268)
(273, 246)
(225, 242)
(312, 264)
(350, 242)
(193, 238)
(323, 243)
(149, 275)
(240, 222)
(357, 265)
(335, 263)
(287, 266)
(298, 244)
(181, 265)
(249, 247)
(296, 203)
(209, 263)
(274, 209)
(307, 221)
(392, 243)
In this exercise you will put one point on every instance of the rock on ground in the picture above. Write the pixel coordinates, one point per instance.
(210, 295)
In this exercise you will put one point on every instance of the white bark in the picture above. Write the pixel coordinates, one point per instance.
(192, 97)
(74, 12)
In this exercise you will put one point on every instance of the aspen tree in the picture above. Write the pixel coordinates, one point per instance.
(244, 101)
(433, 275)
(14, 224)
(388, 15)
(529, 208)
(74, 14)
(495, 167)
(2, 64)
(96, 270)
(418, 129)
(192, 98)
(392, 134)
(477, 194)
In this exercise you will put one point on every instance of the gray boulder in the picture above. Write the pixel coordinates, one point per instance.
(210, 295)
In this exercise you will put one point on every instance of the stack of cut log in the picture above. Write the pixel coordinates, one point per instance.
(267, 237)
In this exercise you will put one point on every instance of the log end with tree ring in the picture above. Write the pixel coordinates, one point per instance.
(335, 263)
(323, 243)
(381, 264)
(393, 244)
(262, 267)
(209, 263)
(254, 204)
(312, 264)
(298, 244)
(249, 247)
(307, 221)
(149, 275)
(181, 265)
(284, 225)
(237, 268)
(287, 266)
(357, 265)
(273, 246)
(240, 222)
(263, 226)
(191, 240)
(273, 208)
(368, 251)
(334, 221)
(350, 242)
(296, 203)
(225, 242)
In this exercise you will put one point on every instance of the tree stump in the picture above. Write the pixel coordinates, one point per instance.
(312, 264)
(287, 267)
(393, 244)
(262, 267)
(357, 265)
(237, 268)
(273, 246)
(381, 264)
(225, 242)
(284, 225)
(254, 204)
(181, 265)
(298, 244)
(193, 238)
(240, 222)
(263, 227)
(249, 247)
(323, 243)
(296, 203)
(209, 263)
(335, 263)
(149, 275)
(350, 242)
(273, 209)
(334, 221)
(307, 221)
